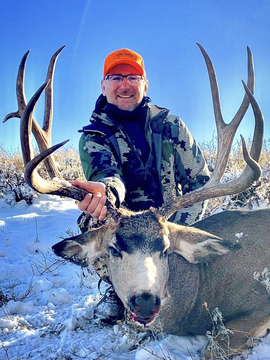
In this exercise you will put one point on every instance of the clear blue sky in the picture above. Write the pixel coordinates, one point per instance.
(164, 32)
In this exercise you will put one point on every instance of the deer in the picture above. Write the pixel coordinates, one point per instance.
(170, 276)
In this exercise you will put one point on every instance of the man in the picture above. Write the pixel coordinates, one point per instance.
(136, 148)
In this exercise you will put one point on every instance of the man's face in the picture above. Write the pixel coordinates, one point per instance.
(124, 95)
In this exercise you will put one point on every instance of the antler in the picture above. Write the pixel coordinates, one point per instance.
(214, 188)
(43, 136)
(55, 186)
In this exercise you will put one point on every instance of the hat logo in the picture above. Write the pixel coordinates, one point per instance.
(124, 54)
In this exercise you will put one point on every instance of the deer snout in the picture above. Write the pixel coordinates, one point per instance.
(144, 307)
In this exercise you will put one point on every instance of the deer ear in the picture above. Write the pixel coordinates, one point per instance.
(82, 249)
(198, 246)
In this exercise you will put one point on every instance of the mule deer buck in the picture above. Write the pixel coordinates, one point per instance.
(163, 272)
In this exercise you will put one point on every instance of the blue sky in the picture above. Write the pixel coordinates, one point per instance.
(163, 32)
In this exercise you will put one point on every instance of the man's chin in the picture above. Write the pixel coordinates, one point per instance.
(127, 107)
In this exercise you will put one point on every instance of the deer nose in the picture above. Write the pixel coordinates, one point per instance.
(144, 306)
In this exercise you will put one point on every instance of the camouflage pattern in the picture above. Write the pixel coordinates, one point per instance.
(108, 155)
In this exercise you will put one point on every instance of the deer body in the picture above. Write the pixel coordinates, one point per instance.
(163, 277)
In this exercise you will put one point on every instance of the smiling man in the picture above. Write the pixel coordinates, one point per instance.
(124, 88)
(138, 149)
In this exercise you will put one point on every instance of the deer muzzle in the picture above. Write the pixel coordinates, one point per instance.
(144, 307)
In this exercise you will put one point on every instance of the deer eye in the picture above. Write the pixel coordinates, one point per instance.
(114, 252)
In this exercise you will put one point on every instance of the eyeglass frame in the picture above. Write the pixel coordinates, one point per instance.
(138, 77)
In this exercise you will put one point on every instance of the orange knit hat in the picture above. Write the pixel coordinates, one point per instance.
(124, 56)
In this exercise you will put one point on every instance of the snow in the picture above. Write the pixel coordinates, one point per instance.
(51, 304)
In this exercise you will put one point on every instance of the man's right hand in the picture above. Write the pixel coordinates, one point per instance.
(94, 202)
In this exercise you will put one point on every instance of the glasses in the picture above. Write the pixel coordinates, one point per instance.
(132, 79)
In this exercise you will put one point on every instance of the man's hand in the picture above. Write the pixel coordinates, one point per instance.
(94, 202)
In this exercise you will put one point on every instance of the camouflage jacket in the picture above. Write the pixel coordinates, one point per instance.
(108, 155)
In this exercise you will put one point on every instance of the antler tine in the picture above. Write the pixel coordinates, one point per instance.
(26, 125)
(214, 87)
(251, 85)
(225, 131)
(257, 141)
(47, 124)
(19, 90)
(43, 136)
(52, 187)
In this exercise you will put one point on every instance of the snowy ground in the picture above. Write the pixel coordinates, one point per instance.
(51, 314)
